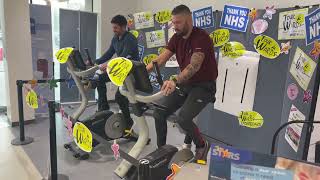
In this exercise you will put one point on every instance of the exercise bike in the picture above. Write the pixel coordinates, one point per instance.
(137, 88)
(105, 123)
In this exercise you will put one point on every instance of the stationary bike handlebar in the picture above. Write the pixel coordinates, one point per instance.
(87, 72)
(153, 97)
(159, 78)
(86, 50)
(157, 71)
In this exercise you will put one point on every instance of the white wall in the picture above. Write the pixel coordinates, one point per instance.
(107, 9)
(15, 23)
(3, 99)
(155, 5)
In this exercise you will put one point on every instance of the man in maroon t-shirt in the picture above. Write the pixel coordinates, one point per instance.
(195, 55)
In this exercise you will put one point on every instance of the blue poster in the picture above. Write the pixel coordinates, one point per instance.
(235, 18)
(153, 80)
(203, 18)
(313, 26)
(141, 51)
(41, 38)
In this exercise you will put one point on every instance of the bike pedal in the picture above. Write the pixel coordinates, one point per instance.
(202, 162)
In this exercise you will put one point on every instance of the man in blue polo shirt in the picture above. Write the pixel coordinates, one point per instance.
(123, 44)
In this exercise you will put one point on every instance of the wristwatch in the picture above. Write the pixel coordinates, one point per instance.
(174, 78)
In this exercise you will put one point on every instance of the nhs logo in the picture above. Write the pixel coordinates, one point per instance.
(235, 18)
(203, 18)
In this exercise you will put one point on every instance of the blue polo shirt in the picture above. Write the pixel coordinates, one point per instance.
(126, 46)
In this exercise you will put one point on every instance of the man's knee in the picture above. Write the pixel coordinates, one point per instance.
(183, 120)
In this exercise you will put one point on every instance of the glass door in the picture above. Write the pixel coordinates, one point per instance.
(3, 100)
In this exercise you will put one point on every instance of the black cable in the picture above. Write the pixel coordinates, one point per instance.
(285, 125)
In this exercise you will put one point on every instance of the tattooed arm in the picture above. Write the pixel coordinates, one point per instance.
(194, 66)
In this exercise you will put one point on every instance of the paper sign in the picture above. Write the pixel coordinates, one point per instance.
(235, 18)
(163, 16)
(115, 148)
(259, 26)
(33, 83)
(252, 172)
(236, 83)
(149, 58)
(250, 119)
(253, 13)
(203, 18)
(266, 46)
(1, 54)
(293, 131)
(315, 52)
(82, 137)
(153, 80)
(171, 30)
(155, 38)
(233, 49)
(143, 20)
(69, 124)
(312, 21)
(302, 68)
(285, 47)
(172, 62)
(53, 83)
(141, 51)
(118, 70)
(292, 24)
(307, 96)
(161, 50)
(269, 12)
(63, 54)
(135, 33)
(292, 91)
(130, 22)
(32, 99)
(220, 37)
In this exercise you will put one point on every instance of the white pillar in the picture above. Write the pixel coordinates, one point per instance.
(15, 22)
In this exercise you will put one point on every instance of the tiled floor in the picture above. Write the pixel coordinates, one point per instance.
(14, 162)
(101, 164)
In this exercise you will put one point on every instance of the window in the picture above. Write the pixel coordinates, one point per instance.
(82, 5)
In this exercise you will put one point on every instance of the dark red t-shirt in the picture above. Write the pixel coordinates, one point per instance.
(198, 41)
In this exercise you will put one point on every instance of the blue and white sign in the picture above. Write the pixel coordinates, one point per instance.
(141, 51)
(203, 18)
(153, 80)
(245, 171)
(312, 22)
(235, 18)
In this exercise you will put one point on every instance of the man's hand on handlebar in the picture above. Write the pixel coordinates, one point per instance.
(149, 67)
(168, 87)
(87, 63)
(103, 66)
